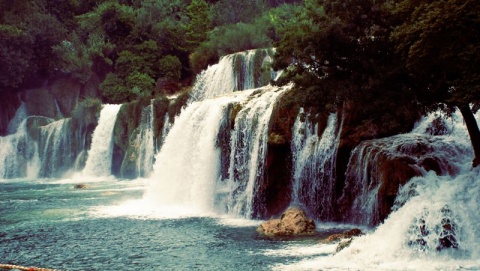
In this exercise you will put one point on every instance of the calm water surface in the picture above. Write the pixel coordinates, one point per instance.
(50, 224)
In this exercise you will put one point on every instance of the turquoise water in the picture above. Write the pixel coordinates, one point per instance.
(48, 223)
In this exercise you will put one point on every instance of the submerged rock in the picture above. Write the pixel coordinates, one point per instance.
(293, 221)
(345, 238)
(81, 186)
(344, 235)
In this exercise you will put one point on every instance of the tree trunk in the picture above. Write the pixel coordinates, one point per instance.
(473, 131)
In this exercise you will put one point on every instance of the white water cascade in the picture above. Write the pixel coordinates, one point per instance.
(314, 164)
(145, 142)
(235, 72)
(187, 168)
(434, 222)
(17, 154)
(99, 159)
(56, 148)
(416, 152)
(248, 151)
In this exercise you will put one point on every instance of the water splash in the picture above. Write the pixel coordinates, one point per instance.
(99, 159)
(376, 166)
(434, 223)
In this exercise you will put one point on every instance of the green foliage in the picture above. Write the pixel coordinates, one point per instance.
(16, 56)
(114, 89)
(440, 44)
(129, 62)
(227, 12)
(141, 84)
(170, 67)
(196, 30)
(78, 59)
(339, 52)
(229, 39)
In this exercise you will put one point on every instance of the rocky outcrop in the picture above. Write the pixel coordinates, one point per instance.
(343, 239)
(377, 169)
(293, 222)
(58, 98)
(344, 235)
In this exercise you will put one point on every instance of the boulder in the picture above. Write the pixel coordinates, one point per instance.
(81, 186)
(344, 239)
(293, 222)
(340, 236)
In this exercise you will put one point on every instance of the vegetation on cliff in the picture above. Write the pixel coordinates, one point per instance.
(388, 60)
(385, 62)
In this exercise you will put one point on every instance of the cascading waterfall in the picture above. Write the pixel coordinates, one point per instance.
(434, 220)
(18, 119)
(187, 171)
(235, 72)
(99, 159)
(17, 154)
(314, 164)
(187, 166)
(371, 165)
(165, 130)
(56, 148)
(248, 151)
(145, 142)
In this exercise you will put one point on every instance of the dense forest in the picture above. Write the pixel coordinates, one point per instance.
(390, 60)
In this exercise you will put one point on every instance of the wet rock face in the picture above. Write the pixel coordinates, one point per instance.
(377, 168)
(344, 235)
(293, 222)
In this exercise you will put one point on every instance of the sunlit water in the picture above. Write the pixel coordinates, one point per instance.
(108, 226)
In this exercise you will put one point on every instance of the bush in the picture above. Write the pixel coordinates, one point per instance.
(170, 67)
(114, 90)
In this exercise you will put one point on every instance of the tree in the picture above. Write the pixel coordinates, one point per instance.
(440, 44)
(196, 30)
(340, 51)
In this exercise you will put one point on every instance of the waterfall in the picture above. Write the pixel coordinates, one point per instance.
(165, 130)
(56, 148)
(99, 159)
(235, 72)
(187, 170)
(17, 154)
(314, 165)
(377, 167)
(248, 151)
(16, 121)
(145, 142)
(187, 165)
